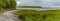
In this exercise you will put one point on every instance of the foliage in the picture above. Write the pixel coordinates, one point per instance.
(3, 10)
(33, 15)
(5, 3)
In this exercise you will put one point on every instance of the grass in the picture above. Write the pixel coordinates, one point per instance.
(33, 15)
(3, 10)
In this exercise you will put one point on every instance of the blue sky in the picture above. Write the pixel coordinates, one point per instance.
(38, 2)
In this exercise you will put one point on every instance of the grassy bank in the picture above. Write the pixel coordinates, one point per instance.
(33, 15)
(3, 10)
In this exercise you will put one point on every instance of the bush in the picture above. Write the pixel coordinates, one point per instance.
(33, 15)
(5, 4)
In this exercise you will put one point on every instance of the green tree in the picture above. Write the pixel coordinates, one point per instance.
(11, 4)
(5, 4)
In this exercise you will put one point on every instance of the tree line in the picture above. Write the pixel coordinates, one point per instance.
(7, 4)
(30, 6)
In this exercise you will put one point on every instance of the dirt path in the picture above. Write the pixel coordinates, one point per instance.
(8, 16)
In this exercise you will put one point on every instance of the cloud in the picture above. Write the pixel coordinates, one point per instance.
(50, 2)
(39, 2)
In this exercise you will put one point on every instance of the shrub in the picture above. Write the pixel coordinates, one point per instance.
(6, 3)
(33, 15)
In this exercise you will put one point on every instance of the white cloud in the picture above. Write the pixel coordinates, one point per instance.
(50, 2)
(40, 2)
(18, 2)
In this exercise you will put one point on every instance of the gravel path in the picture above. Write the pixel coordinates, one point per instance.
(8, 16)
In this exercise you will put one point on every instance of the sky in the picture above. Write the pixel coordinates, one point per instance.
(38, 2)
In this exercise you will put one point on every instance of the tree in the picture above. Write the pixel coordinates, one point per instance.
(6, 4)
(1, 4)
(11, 4)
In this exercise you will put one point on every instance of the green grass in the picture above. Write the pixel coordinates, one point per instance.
(33, 15)
(3, 10)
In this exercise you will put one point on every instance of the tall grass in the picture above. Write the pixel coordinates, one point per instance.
(33, 15)
(3, 10)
